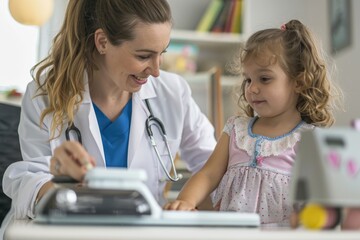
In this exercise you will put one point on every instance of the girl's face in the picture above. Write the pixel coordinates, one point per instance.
(126, 67)
(268, 89)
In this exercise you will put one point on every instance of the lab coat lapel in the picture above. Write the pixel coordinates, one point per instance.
(87, 116)
(95, 131)
(138, 137)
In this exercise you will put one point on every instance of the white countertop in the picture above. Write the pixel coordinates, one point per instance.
(29, 231)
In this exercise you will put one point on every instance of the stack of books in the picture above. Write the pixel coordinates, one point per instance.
(222, 16)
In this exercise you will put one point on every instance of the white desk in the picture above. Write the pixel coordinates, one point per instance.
(29, 231)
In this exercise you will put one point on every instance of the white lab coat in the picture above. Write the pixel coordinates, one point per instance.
(189, 133)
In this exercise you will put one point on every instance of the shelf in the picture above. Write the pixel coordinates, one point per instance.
(12, 100)
(204, 38)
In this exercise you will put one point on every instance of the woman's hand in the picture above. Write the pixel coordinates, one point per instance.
(71, 159)
(180, 205)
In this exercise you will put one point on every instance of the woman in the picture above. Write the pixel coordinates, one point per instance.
(103, 65)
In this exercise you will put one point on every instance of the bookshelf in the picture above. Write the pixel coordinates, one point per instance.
(215, 49)
(206, 38)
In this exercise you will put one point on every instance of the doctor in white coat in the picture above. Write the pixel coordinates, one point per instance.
(106, 56)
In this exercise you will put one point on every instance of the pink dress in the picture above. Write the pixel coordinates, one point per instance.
(258, 174)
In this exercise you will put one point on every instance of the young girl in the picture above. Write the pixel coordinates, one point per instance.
(286, 90)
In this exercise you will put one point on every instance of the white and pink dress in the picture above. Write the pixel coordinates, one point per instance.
(258, 174)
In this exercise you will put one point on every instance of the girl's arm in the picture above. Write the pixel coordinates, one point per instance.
(199, 186)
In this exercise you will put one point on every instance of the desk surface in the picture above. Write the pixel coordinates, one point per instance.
(29, 231)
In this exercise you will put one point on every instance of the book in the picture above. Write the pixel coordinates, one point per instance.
(219, 24)
(228, 23)
(237, 17)
(210, 15)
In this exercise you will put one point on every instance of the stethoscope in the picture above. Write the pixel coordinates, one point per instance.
(70, 128)
(150, 121)
(154, 121)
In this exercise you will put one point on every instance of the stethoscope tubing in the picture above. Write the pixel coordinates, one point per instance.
(73, 128)
(153, 121)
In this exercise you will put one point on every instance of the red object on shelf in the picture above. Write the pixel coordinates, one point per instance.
(13, 93)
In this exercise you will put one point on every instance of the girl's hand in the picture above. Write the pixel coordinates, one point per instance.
(71, 159)
(180, 205)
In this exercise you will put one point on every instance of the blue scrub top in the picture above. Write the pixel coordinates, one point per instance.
(115, 136)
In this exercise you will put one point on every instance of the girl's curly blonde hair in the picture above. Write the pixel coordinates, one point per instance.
(295, 49)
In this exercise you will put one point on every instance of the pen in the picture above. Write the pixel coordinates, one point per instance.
(87, 164)
(67, 179)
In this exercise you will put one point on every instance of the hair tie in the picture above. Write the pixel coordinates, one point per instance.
(283, 27)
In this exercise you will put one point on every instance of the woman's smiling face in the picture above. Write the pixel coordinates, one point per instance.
(128, 65)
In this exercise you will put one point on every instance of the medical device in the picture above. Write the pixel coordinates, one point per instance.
(326, 172)
(118, 196)
(150, 122)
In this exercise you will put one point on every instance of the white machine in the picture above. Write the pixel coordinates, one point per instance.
(117, 196)
(327, 169)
